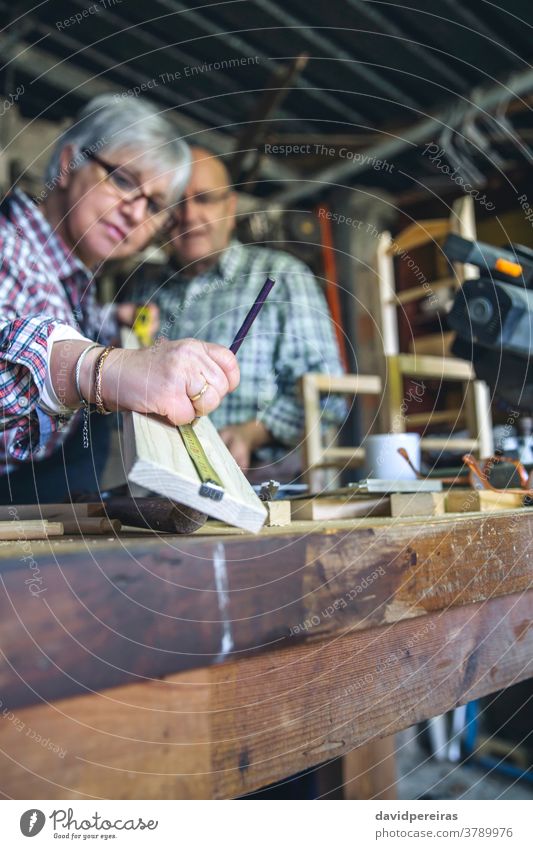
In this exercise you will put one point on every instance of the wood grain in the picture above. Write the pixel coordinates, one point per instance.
(420, 233)
(340, 507)
(286, 711)
(55, 512)
(369, 772)
(315, 455)
(418, 504)
(27, 529)
(92, 526)
(228, 730)
(156, 457)
(112, 613)
(278, 513)
(145, 738)
(160, 514)
(482, 500)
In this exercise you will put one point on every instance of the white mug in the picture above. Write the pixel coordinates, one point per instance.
(382, 459)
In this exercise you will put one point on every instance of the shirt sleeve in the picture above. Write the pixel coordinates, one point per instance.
(23, 365)
(48, 401)
(306, 343)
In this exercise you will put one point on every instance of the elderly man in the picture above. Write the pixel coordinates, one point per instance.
(207, 290)
(110, 182)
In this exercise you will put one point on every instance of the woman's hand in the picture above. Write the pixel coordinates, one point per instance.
(166, 378)
(162, 380)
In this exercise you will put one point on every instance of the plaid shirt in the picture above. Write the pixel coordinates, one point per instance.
(293, 333)
(42, 285)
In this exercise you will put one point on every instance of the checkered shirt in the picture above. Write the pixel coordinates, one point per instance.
(42, 285)
(293, 333)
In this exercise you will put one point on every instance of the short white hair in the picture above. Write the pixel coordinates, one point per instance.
(109, 123)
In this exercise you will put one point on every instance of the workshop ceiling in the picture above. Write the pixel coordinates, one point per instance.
(373, 68)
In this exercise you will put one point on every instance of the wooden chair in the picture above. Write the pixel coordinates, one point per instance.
(429, 355)
(419, 233)
(474, 411)
(315, 455)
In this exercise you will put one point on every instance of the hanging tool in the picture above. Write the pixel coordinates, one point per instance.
(480, 475)
(450, 480)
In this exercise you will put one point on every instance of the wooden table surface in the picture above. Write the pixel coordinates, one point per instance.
(210, 665)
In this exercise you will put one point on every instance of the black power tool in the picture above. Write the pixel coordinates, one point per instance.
(493, 317)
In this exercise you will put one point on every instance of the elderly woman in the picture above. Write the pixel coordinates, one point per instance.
(110, 181)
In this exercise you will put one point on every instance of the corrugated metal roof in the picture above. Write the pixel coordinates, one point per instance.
(374, 67)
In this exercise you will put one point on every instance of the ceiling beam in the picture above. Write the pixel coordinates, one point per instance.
(69, 79)
(336, 175)
(256, 128)
(155, 46)
(326, 99)
(420, 51)
(332, 50)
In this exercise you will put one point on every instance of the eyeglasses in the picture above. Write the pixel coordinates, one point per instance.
(204, 199)
(127, 187)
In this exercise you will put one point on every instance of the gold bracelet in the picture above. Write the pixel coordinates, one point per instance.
(98, 381)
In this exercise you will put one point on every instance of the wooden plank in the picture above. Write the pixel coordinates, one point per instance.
(479, 400)
(148, 737)
(416, 293)
(387, 292)
(346, 384)
(176, 603)
(448, 443)
(434, 417)
(229, 730)
(55, 512)
(419, 233)
(278, 513)
(482, 500)
(438, 368)
(312, 449)
(369, 772)
(341, 456)
(434, 344)
(92, 526)
(156, 457)
(323, 701)
(347, 507)
(25, 529)
(212, 528)
(418, 504)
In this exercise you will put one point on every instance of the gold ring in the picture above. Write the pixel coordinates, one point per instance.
(202, 391)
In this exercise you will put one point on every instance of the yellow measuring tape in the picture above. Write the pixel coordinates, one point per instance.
(211, 485)
(142, 326)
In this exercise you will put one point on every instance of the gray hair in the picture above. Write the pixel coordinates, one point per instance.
(111, 123)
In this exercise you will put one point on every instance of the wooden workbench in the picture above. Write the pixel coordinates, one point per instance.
(208, 666)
